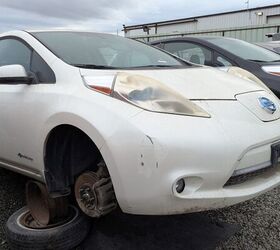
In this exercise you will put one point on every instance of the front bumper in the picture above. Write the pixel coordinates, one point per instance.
(147, 157)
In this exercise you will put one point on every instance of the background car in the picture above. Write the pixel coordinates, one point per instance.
(224, 52)
(273, 46)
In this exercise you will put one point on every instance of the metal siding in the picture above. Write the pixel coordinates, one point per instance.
(179, 28)
(231, 23)
(273, 19)
(253, 35)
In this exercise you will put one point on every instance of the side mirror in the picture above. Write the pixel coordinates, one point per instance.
(15, 74)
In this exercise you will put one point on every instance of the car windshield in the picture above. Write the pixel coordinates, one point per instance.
(245, 50)
(104, 51)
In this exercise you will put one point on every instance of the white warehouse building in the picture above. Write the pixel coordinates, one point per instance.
(251, 25)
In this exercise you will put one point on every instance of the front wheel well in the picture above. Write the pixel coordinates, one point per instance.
(68, 153)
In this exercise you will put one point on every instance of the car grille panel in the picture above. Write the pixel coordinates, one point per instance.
(239, 179)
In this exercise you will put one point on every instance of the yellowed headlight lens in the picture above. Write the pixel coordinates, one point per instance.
(150, 94)
(244, 74)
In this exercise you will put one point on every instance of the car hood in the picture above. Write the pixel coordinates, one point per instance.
(199, 83)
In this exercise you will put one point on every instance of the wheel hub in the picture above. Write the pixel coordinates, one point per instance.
(87, 197)
(94, 193)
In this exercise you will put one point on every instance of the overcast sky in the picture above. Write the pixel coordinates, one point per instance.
(106, 15)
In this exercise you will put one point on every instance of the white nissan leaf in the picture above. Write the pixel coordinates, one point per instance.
(112, 121)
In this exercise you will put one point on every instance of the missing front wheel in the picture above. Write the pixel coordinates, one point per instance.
(94, 192)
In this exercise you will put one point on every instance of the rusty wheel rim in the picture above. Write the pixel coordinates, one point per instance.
(27, 220)
(44, 209)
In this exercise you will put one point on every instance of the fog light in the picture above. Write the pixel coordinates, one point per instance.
(180, 186)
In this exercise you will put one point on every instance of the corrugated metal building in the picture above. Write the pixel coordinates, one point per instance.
(251, 25)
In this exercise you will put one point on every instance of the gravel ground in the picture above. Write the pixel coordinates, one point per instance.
(11, 199)
(259, 219)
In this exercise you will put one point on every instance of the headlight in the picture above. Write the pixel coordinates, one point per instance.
(150, 94)
(244, 74)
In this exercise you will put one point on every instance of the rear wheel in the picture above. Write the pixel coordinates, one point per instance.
(23, 232)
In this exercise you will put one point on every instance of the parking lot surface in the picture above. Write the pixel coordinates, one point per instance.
(251, 225)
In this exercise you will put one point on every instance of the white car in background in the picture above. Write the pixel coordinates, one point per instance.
(115, 121)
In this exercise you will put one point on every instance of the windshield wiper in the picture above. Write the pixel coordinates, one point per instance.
(93, 66)
(263, 61)
(156, 66)
(260, 61)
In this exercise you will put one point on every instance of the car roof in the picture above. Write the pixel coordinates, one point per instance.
(52, 30)
(193, 38)
(65, 30)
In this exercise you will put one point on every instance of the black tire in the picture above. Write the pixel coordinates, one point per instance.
(66, 236)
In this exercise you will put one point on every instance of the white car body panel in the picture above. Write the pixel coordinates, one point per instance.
(146, 152)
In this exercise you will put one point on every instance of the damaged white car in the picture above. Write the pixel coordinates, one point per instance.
(114, 122)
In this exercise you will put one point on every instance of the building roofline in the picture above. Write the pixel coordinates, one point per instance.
(190, 19)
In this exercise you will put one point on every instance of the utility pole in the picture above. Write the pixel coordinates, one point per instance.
(247, 2)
